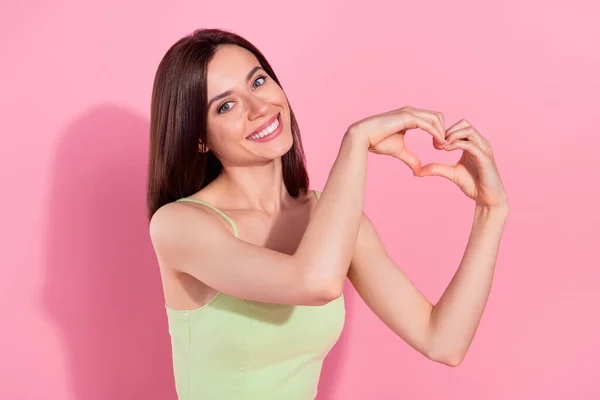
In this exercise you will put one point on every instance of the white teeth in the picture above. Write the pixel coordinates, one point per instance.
(268, 130)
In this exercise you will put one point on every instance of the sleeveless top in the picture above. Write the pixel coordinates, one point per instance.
(231, 348)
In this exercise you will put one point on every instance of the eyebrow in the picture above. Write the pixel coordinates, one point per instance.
(228, 92)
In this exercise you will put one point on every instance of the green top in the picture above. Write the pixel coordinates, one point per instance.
(233, 348)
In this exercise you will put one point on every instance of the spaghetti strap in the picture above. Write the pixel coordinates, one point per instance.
(221, 213)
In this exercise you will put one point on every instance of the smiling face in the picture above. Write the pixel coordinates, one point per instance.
(248, 112)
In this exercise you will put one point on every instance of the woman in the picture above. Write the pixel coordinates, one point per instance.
(253, 263)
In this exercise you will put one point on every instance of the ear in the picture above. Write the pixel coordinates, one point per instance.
(201, 148)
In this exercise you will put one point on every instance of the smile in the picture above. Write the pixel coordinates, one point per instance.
(269, 132)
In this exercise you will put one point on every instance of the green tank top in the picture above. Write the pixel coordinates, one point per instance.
(237, 349)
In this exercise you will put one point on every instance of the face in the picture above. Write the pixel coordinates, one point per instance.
(248, 113)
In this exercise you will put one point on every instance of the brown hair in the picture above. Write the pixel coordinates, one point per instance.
(178, 122)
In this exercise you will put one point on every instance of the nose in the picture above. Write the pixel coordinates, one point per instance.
(257, 107)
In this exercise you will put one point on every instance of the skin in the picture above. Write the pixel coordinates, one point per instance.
(280, 255)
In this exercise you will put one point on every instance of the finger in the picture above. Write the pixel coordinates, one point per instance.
(434, 117)
(410, 160)
(382, 126)
(481, 159)
(478, 138)
(435, 169)
(437, 145)
(471, 134)
(412, 120)
(463, 123)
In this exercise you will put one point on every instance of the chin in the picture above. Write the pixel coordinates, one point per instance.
(284, 144)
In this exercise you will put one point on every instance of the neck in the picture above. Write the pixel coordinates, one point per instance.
(258, 187)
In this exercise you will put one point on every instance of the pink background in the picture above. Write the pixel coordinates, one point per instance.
(83, 313)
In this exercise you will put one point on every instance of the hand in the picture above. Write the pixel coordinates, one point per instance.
(475, 173)
(385, 132)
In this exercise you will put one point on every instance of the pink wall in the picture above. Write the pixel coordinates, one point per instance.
(82, 306)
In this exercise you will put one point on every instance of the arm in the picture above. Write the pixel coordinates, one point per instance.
(445, 331)
(456, 316)
(193, 242)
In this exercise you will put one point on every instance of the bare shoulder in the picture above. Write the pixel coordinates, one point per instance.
(174, 223)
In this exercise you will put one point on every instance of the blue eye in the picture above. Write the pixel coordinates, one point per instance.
(221, 109)
(264, 78)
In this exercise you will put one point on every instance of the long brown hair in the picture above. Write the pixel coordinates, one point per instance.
(178, 122)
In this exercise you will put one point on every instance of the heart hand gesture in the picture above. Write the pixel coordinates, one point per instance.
(475, 173)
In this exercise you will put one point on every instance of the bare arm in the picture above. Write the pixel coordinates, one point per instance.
(388, 291)
(456, 316)
(195, 243)
(445, 331)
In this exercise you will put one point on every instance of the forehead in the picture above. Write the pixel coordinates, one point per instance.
(228, 68)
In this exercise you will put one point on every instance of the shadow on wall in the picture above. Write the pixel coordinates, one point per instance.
(102, 285)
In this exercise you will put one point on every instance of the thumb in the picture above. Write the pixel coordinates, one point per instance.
(410, 160)
(435, 169)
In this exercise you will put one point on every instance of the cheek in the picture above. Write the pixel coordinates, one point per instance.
(221, 133)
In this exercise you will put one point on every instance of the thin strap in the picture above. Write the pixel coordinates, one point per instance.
(318, 194)
(221, 213)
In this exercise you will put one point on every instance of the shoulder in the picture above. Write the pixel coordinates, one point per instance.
(175, 221)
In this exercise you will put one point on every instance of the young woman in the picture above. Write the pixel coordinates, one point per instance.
(253, 262)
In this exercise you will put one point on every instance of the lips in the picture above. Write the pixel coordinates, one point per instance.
(263, 126)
